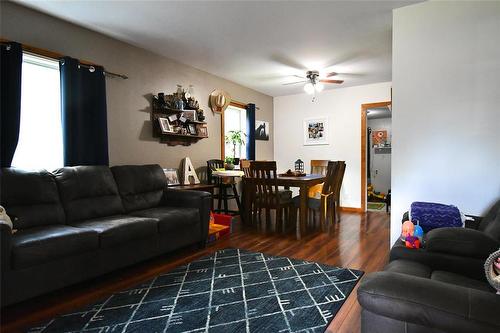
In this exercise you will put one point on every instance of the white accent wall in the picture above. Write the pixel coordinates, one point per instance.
(343, 109)
(446, 102)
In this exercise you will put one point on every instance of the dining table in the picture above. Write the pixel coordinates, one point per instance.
(303, 183)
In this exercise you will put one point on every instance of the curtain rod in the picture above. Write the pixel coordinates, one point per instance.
(241, 104)
(58, 56)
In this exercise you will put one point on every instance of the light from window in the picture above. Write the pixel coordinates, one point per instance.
(40, 142)
(235, 120)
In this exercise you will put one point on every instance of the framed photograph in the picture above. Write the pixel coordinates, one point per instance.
(316, 131)
(262, 130)
(172, 175)
(189, 115)
(203, 131)
(191, 129)
(172, 118)
(165, 125)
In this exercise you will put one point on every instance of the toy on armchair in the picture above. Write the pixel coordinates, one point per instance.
(412, 235)
(492, 270)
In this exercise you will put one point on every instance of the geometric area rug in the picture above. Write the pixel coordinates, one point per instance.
(231, 290)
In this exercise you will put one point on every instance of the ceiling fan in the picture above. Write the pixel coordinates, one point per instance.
(313, 82)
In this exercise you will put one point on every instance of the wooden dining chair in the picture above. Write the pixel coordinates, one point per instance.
(267, 195)
(245, 167)
(247, 190)
(324, 204)
(319, 167)
(222, 195)
(337, 186)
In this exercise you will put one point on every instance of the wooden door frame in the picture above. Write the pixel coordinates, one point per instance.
(364, 108)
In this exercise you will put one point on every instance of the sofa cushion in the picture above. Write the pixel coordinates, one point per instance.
(38, 245)
(115, 230)
(140, 186)
(30, 198)
(88, 192)
(460, 280)
(171, 218)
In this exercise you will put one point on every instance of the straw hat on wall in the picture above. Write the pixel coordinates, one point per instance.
(219, 100)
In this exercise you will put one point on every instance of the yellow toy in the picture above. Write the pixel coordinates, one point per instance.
(373, 194)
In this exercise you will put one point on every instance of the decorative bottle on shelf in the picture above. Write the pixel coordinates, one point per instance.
(179, 103)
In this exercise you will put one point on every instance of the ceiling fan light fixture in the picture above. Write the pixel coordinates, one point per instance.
(309, 88)
(319, 87)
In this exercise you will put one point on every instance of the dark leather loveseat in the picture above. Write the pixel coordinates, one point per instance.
(439, 288)
(80, 222)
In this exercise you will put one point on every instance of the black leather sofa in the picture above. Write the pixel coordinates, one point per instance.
(439, 288)
(81, 222)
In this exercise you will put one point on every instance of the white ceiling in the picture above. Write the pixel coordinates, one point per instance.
(257, 44)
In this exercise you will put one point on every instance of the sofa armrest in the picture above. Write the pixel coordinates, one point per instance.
(5, 244)
(461, 242)
(191, 199)
(438, 305)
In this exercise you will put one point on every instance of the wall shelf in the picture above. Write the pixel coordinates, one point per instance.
(161, 109)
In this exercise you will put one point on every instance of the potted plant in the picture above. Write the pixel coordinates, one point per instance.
(229, 163)
(236, 138)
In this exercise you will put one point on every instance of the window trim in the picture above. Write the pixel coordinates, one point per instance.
(235, 104)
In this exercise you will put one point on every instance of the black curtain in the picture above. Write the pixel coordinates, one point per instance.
(84, 119)
(251, 131)
(11, 61)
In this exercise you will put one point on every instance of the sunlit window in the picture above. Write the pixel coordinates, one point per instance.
(235, 120)
(40, 142)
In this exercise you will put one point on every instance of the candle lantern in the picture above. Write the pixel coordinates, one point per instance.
(299, 166)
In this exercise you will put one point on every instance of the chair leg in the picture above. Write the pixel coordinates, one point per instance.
(237, 198)
(334, 212)
(337, 204)
(219, 199)
(323, 212)
(226, 210)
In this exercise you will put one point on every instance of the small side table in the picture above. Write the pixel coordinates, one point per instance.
(197, 187)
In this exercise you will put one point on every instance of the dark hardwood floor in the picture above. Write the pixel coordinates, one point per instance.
(359, 241)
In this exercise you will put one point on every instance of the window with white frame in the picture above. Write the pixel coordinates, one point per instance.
(40, 142)
(235, 119)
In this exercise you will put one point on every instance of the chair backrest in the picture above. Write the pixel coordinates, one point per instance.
(339, 177)
(319, 167)
(213, 165)
(490, 224)
(331, 172)
(264, 177)
(245, 167)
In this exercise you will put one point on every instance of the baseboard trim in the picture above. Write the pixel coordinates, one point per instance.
(351, 210)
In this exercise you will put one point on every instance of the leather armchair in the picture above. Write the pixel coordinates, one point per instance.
(394, 302)
(460, 250)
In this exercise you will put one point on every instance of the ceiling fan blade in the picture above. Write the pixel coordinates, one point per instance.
(332, 81)
(331, 74)
(299, 76)
(289, 83)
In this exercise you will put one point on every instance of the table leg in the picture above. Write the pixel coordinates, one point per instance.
(303, 211)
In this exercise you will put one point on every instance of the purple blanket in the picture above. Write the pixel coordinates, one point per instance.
(431, 215)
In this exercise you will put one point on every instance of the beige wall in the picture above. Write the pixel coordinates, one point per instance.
(130, 138)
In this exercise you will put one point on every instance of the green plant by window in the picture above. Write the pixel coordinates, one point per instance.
(236, 138)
